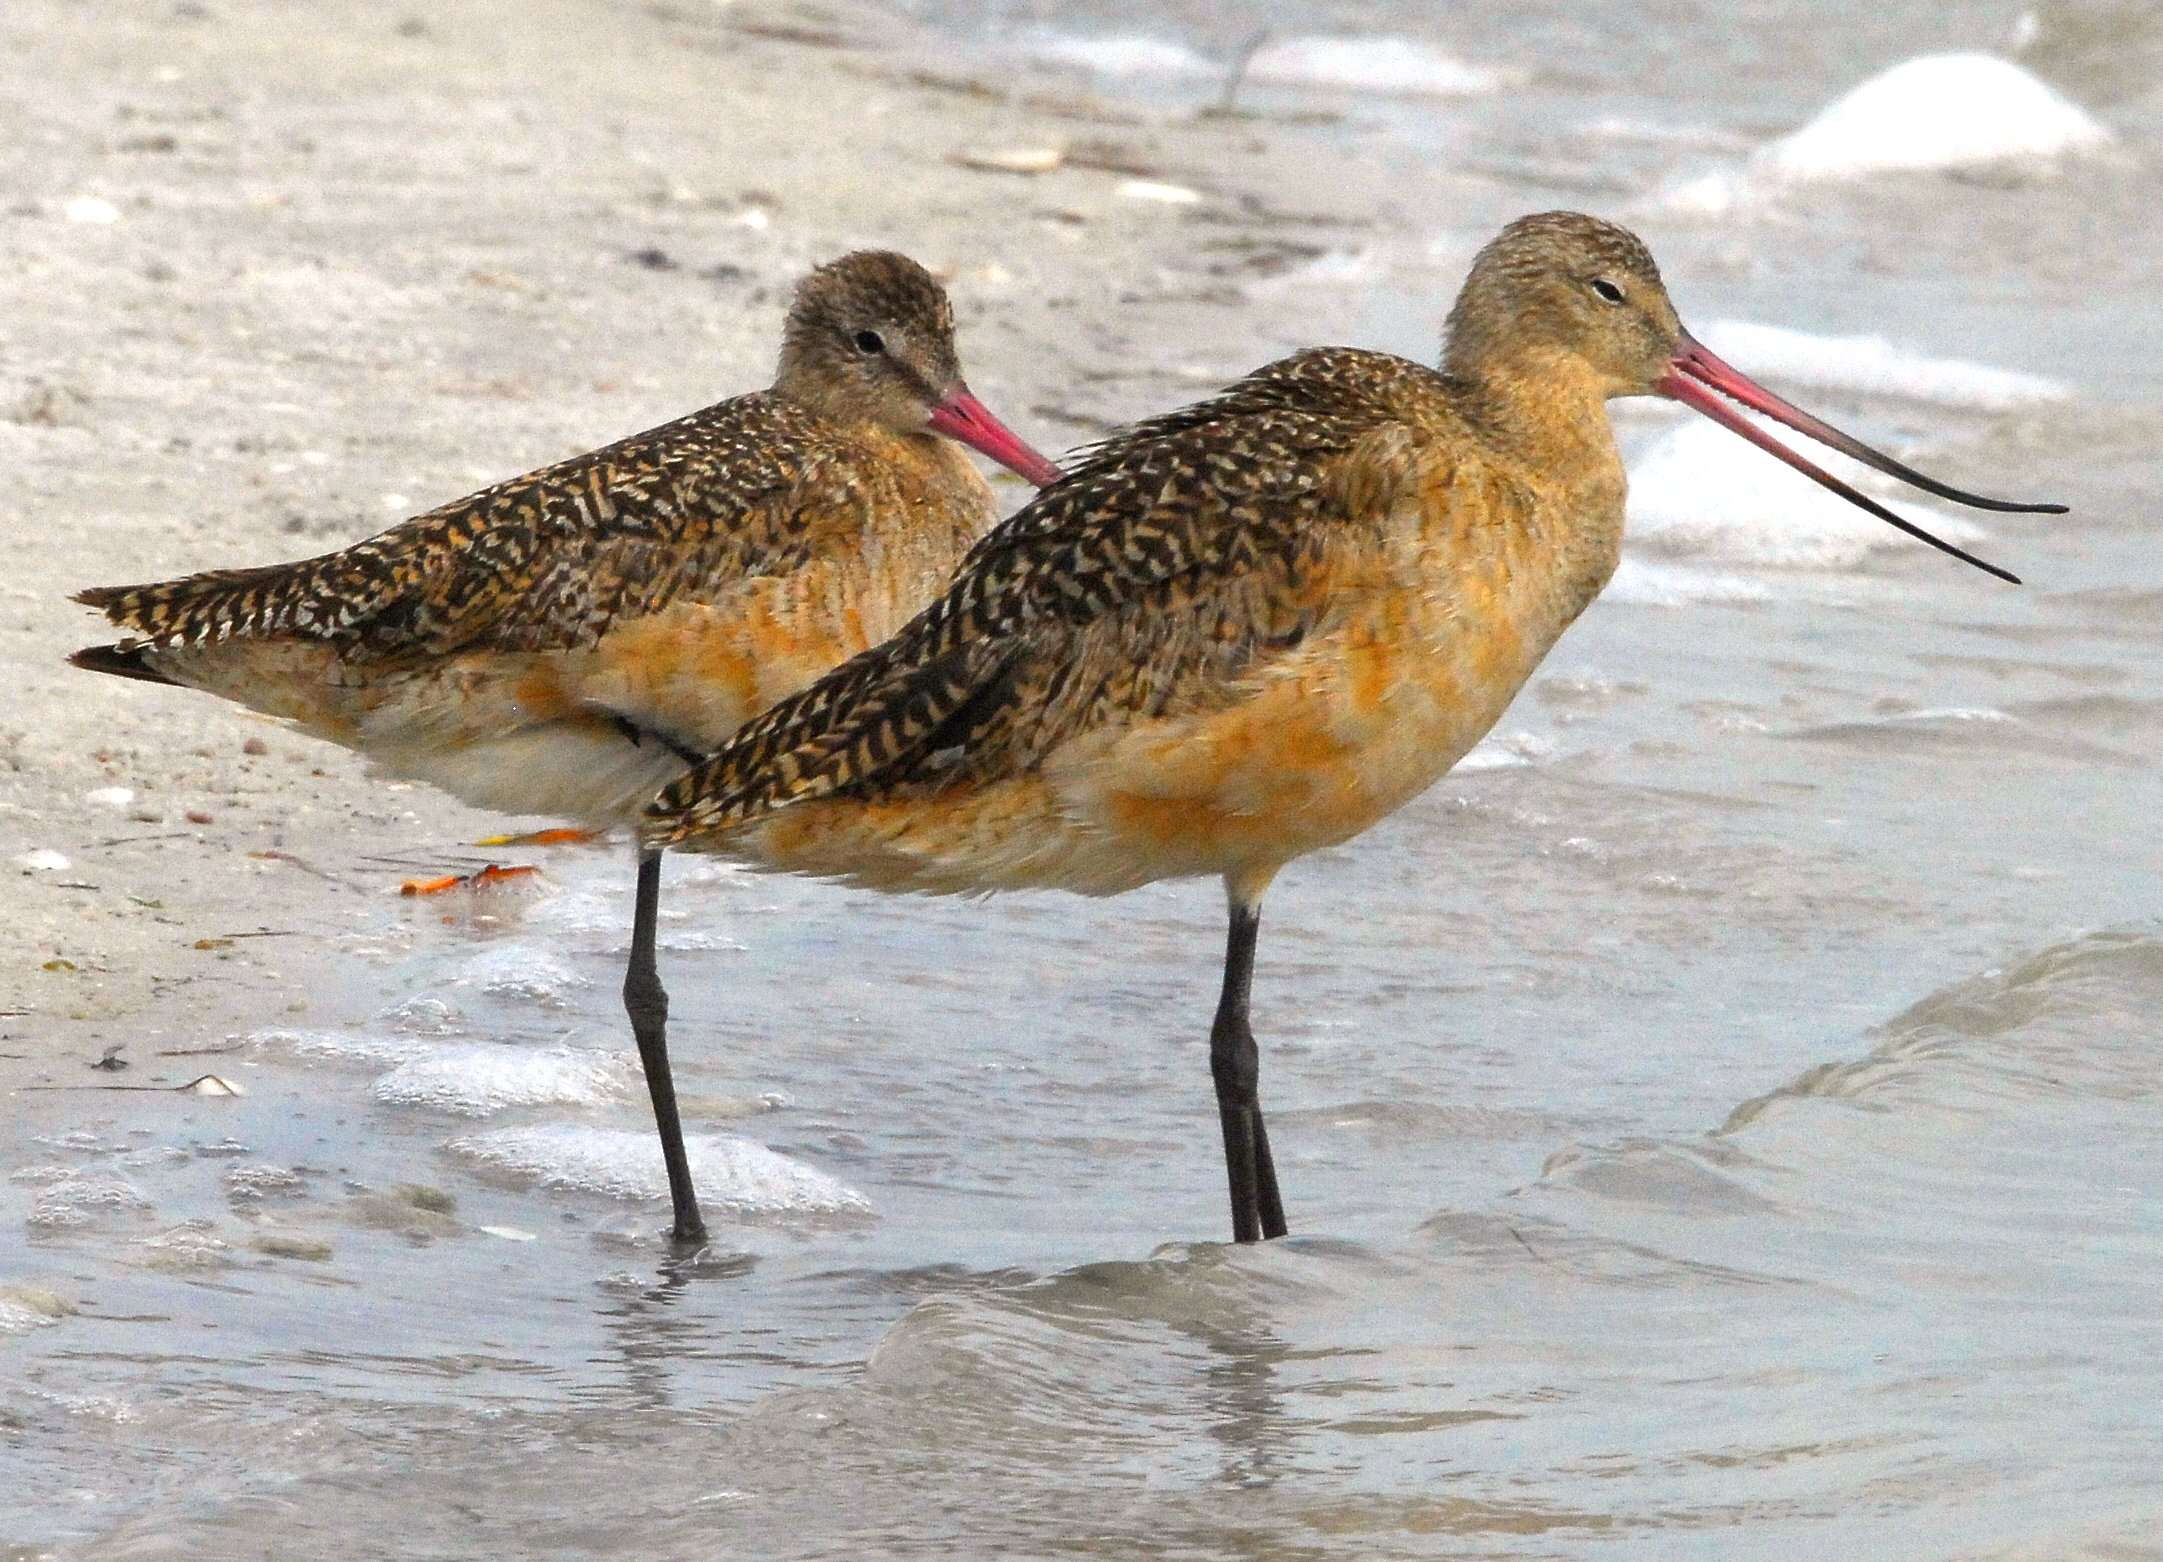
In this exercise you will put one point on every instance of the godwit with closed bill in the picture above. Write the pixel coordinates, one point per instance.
(1248, 629)
(565, 642)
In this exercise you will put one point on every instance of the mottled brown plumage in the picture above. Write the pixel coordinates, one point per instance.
(669, 585)
(1237, 633)
(565, 642)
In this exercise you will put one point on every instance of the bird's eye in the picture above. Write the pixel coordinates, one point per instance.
(870, 342)
(1607, 290)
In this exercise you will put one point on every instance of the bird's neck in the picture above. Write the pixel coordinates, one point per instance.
(801, 383)
(1546, 419)
(1547, 412)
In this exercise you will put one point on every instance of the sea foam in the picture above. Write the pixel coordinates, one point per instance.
(1937, 112)
(336, 1046)
(1650, 583)
(1361, 64)
(524, 973)
(1395, 65)
(479, 1079)
(1875, 366)
(1128, 56)
(731, 1173)
(1700, 492)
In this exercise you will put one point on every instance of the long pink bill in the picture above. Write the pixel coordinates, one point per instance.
(1695, 373)
(961, 416)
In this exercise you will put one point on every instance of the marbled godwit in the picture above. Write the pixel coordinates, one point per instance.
(565, 642)
(1248, 629)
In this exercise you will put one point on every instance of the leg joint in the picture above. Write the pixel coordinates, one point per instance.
(1234, 1061)
(645, 1000)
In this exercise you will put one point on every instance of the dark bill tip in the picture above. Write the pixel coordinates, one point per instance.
(1695, 374)
(1700, 362)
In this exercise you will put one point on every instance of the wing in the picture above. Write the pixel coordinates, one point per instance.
(1175, 555)
(543, 561)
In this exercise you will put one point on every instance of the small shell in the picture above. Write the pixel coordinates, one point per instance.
(1014, 159)
(1159, 192)
(91, 209)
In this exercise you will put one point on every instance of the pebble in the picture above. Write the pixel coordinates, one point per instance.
(421, 1196)
(278, 1245)
(110, 796)
(43, 860)
(91, 209)
(1159, 192)
(47, 1306)
(1014, 160)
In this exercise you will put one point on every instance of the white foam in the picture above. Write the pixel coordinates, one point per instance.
(1874, 365)
(1644, 132)
(710, 870)
(580, 910)
(1701, 492)
(1955, 715)
(421, 1017)
(192, 1244)
(20, 1316)
(259, 1181)
(598, 920)
(1708, 195)
(1395, 65)
(1487, 754)
(731, 1173)
(522, 972)
(1128, 56)
(1335, 268)
(477, 1080)
(1648, 583)
(335, 1046)
(80, 1198)
(1939, 111)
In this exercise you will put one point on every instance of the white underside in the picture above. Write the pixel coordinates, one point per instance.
(598, 779)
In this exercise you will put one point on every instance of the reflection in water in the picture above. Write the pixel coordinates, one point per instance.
(651, 1337)
(1243, 1409)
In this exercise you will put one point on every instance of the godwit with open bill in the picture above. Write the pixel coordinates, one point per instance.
(1248, 629)
(565, 642)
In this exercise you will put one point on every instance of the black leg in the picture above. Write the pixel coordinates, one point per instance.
(1257, 1208)
(645, 1000)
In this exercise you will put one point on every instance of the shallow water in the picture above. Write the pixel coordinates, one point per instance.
(1721, 1122)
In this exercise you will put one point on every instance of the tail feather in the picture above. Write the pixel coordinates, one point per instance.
(122, 661)
(214, 605)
